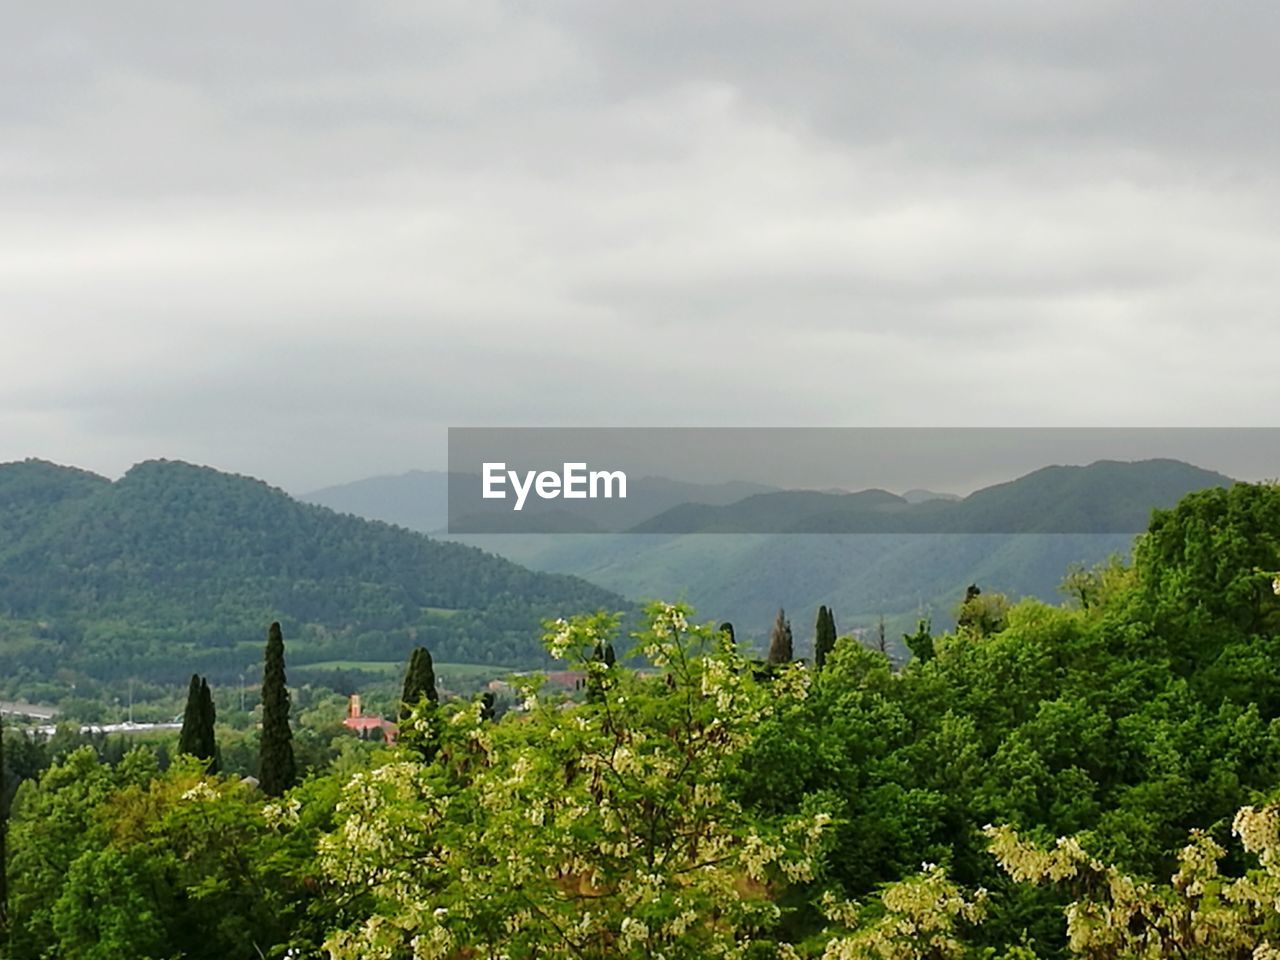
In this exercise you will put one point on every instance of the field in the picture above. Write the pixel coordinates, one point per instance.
(395, 668)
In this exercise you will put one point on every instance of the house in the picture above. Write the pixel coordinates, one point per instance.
(368, 727)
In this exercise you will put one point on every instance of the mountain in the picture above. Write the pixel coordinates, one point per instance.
(419, 500)
(746, 577)
(919, 495)
(1104, 497)
(176, 568)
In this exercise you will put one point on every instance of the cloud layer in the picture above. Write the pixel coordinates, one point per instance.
(301, 240)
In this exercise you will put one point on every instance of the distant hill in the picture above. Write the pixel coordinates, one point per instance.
(746, 577)
(921, 496)
(419, 500)
(176, 568)
(1104, 497)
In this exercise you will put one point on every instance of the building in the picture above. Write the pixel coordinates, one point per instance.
(368, 728)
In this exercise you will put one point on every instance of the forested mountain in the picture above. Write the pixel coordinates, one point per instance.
(1104, 497)
(745, 577)
(419, 500)
(176, 568)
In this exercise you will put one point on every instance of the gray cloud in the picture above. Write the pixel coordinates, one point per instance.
(300, 241)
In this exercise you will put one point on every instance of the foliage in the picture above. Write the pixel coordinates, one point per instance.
(1201, 912)
(128, 862)
(702, 807)
(197, 737)
(824, 637)
(598, 831)
(276, 765)
(419, 682)
(781, 647)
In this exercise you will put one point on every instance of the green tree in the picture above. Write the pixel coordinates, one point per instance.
(780, 644)
(189, 738)
(197, 738)
(419, 682)
(726, 629)
(920, 643)
(4, 829)
(208, 720)
(825, 637)
(599, 679)
(581, 833)
(276, 767)
(984, 614)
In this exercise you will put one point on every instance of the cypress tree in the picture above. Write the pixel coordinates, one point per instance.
(780, 644)
(825, 638)
(208, 716)
(197, 737)
(189, 740)
(276, 769)
(419, 682)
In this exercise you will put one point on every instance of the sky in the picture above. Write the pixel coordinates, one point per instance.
(300, 240)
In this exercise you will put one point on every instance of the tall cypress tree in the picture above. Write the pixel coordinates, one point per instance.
(419, 682)
(825, 639)
(189, 740)
(276, 769)
(197, 737)
(208, 716)
(780, 643)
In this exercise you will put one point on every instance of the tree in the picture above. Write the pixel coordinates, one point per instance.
(920, 643)
(598, 677)
(189, 738)
(726, 630)
(780, 644)
(825, 638)
(4, 826)
(276, 767)
(197, 737)
(419, 682)
(208, 717)
(982, 613)
(582, 833)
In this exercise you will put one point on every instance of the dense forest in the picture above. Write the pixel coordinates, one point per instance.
(1097, 778)
(175, 568)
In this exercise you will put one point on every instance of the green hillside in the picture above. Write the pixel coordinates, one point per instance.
(746, 577)
(1104, 497)
(175, 568)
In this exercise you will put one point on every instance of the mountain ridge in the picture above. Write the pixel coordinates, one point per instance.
(176, 567)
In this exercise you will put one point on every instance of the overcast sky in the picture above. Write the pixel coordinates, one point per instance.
(299, 240)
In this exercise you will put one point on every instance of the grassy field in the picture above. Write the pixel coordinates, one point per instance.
(396, 667)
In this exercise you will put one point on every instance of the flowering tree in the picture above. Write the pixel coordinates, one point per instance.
(1200, 913)
(585, 830)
